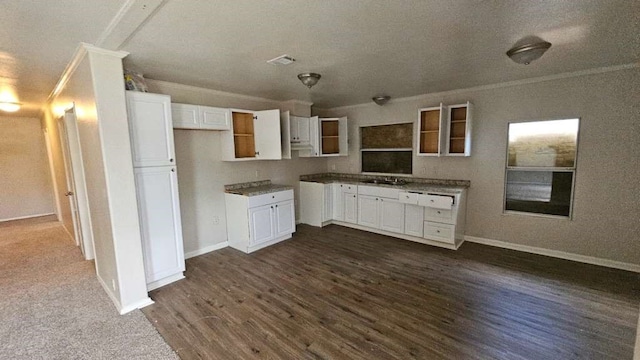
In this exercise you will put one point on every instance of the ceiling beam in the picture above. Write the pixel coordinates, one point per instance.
(129, 19)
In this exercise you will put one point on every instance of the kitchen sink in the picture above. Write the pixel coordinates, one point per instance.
(386, 181)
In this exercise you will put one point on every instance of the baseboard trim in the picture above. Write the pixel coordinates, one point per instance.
(137, 305)
(112, 296)
(165, 281)
(205, 250)
(26, 217)
(556, 254)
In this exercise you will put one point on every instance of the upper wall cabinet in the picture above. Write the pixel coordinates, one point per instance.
(327, 137)
(254, 135)
(150, 129)
(186, 116)
(444, 130)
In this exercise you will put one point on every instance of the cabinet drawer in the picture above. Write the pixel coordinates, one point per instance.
(378, 191)
(270, 198)
(439, 215)
(439, 232)
(408, 198)
(436, 201)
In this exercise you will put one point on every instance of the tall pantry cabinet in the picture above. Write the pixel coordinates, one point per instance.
(152, 147)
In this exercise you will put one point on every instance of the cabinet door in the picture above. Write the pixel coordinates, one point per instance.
(414, 220)
(350, 202)
(431, 131)
(213, 118)
(327, 211)
(161, 230)
(151, 129)
(344, 136)
(368, 214)
(457, 139)
(293, 129)
(261, 224)
(338, 205)
(267, 135)
(303, 130)
(285, 222)
(314, 135)
(285, 136)
(391, 215)
(185, 116)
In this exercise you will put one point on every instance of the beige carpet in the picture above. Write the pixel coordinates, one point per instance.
(52, 306)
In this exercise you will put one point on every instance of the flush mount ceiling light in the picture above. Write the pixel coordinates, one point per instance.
(309, 79)
(381, 99)
(527, 50)
(9, 106)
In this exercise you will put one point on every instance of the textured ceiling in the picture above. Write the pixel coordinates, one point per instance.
(361, 48)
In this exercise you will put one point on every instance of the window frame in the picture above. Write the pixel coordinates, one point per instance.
(361, 150)
(572, 169)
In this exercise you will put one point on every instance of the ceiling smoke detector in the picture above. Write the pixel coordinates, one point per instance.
(381, 99)
(309, 79)
(282, 60)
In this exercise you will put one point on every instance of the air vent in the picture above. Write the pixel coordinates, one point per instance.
(282, 60)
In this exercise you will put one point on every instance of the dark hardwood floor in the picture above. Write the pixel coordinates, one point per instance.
(340, 293)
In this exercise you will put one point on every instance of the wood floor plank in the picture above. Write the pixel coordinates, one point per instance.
(341, 293)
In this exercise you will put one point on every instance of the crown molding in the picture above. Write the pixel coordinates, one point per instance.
(211, 91)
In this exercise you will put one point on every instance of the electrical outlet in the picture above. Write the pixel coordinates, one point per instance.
(257, 174)
(216, 220)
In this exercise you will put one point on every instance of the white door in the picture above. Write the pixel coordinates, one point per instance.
(328, 203)
(350, 202)
(185, 116)
(261, 224)
(414, 220)
(391, 215)
(266, 127)
(314, 135)
(284, 218)
(71, 187)
(285, 138)
(303, 130)
(160, 223)
(343, 136)
(213, 118)
(368, 214)
(338, 205)
(294, 129)
(151, 129)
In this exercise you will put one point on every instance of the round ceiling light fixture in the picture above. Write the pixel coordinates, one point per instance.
(528, 50)
(9, 106)
(381, 99)
(309, 79)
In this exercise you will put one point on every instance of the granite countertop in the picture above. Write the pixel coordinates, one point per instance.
(412, 184)
(255, 188)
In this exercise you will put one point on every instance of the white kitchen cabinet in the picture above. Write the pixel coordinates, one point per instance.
(414, 220)
(338, 201)
(254, 222)
(368, 211)
(392, 215)
(160, 224)
(285, 138)
(327, 137)
(150, 128)
(299, 129)
(350, 202)
(444, 130)
(327, 214)
(314, 203)
(254, 135)
(198, 117)
(151, 133)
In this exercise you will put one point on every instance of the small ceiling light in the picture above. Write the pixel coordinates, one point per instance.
(9, 106)
(528, 49)
(381, 99)
(309, 79)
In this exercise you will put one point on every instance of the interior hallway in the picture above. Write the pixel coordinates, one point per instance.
(52, 305)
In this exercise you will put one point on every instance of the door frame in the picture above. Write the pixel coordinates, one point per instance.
(74, 170)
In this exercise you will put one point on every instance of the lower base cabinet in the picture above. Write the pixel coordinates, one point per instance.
(254, 222)
(431, 218)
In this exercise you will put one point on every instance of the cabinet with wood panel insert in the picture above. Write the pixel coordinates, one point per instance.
(444, 130)
(254, 135)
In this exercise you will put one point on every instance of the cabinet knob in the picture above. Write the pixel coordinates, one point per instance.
(439, 212)
(438, 231)
(272, 206)
(173, 170)
(276, 205)
(273, 196)
(170, 160)
(257, 152)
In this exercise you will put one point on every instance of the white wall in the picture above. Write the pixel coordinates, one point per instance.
(202, 175)
(605, 221)
(24, 171)
(97, 89)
